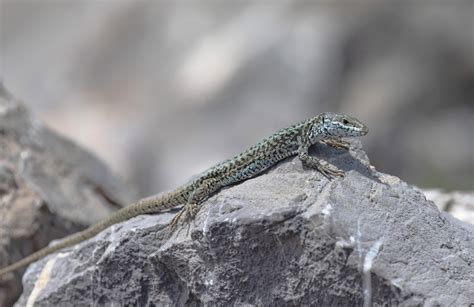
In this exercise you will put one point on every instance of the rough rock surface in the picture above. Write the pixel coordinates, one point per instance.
(289, 236)
(49, 187)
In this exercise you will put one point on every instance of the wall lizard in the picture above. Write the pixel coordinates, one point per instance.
(294, 140)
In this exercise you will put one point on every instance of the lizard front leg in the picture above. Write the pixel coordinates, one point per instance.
(191, 208)
(317, 164)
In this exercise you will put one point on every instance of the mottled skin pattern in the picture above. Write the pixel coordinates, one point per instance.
(294, 140)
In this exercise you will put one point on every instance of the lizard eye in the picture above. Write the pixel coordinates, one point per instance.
(345, 121)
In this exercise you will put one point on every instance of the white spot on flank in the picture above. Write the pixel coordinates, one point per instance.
(41, 282)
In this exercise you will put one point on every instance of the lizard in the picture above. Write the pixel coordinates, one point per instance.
(295, 140)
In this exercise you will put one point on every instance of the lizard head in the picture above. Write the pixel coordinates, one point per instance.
(336, 125)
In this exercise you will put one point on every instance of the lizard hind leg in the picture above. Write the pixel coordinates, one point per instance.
(191, 208)
(186, 214)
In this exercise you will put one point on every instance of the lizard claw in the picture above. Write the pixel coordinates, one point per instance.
(324, 168)
(329, 172)
(175, 220)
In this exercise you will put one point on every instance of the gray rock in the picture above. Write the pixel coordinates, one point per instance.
(49, 187)
(287, 237)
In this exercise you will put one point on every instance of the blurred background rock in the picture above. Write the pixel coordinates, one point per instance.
(161, 90)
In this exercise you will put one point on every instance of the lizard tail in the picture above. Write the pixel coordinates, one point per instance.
(68, 241)
(142, 207)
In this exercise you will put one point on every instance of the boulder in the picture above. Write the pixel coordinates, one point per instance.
(287, 237)
(49, 188)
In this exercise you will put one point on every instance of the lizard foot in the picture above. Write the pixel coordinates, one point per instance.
(187, 214)
(337, 143)
(329, 172)
(322, 167)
